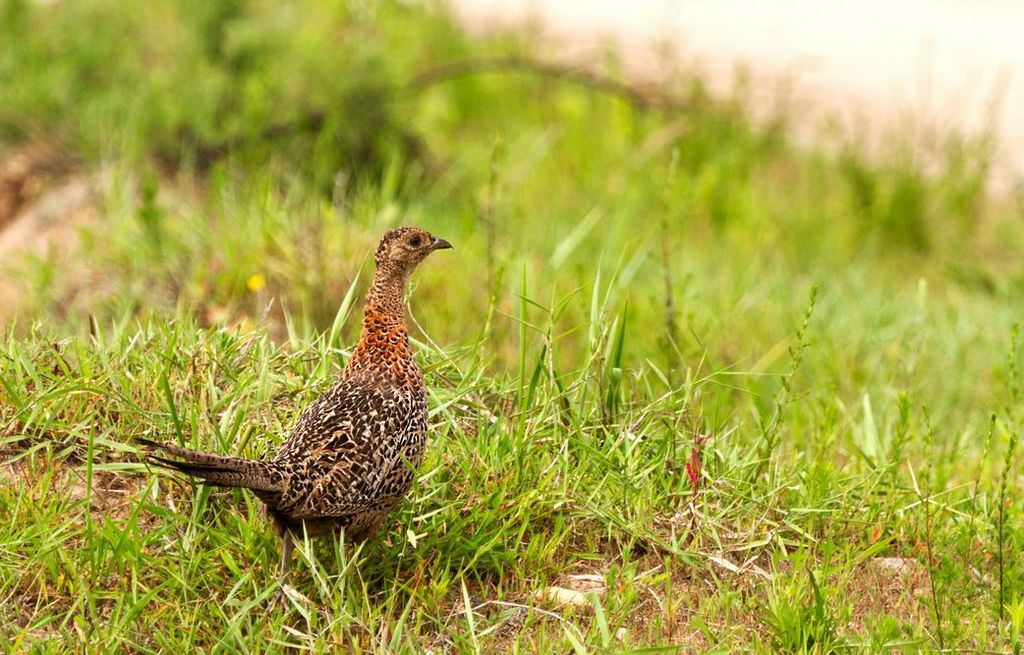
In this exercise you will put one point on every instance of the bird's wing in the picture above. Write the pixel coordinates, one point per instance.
(344, 450)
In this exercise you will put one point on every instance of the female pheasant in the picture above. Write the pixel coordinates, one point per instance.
(353, 453)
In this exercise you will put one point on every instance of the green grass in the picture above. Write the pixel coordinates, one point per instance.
(625, 283)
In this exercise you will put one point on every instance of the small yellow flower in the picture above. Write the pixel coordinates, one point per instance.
(256, 282)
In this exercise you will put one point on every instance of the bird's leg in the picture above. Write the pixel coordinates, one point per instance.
(286, 559)
(286, 554)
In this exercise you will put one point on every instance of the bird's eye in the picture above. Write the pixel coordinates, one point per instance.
(415, 242)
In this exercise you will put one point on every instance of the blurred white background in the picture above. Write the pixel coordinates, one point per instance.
(945, 64)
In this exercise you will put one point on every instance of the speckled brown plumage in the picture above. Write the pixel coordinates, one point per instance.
(353, 453)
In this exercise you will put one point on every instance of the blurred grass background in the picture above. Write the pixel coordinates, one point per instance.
(651, 249)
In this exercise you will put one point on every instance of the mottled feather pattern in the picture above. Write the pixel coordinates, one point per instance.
(352, 450)
(353, 453)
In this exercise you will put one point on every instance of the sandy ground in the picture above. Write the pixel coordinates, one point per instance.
(870, 65)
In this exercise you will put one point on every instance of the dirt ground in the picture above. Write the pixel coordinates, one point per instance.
(44, 199)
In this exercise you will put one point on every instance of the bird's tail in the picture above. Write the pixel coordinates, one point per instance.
(218, 470)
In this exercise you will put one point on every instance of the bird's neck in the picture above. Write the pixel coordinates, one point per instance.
(383, 355)
(384, 299)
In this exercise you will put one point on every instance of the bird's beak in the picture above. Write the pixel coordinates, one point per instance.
(440, 244)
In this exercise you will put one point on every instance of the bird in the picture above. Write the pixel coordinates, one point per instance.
(352, 455)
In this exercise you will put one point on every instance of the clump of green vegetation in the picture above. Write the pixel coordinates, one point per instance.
(678, 366)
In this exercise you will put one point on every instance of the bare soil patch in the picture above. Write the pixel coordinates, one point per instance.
(44, 199)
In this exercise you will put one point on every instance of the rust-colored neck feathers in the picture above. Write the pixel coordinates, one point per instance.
(383, 356)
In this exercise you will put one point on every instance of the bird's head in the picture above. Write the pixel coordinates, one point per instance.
(401, 249)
